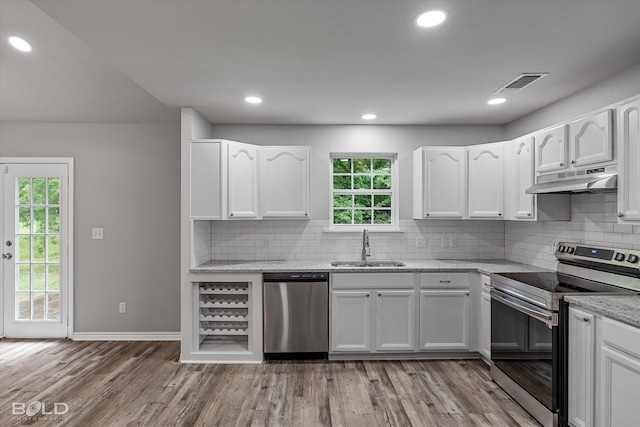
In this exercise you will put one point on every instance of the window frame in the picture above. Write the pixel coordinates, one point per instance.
(394, 190)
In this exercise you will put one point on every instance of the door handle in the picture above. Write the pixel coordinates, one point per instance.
(7, 256)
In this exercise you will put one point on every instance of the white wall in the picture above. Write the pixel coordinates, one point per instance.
(127, 180)
(359, 138)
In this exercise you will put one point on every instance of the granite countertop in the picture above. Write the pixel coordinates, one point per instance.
(625, 308)
(482, 266)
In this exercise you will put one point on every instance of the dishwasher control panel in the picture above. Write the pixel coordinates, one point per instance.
(295, 277)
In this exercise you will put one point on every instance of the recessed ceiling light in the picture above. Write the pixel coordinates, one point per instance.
(431, 18)
(369, 117)
(253, 100)
(496, 101)
(20, 44)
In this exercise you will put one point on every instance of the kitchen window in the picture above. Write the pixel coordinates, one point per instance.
(363, 192)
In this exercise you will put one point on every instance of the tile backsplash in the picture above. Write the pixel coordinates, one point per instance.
(593, 221)
(295, 240)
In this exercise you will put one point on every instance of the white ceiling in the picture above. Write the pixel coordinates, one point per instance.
(313, 61)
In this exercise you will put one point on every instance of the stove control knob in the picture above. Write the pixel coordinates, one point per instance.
(632, 259)
(561, 248)
(619, 257)
(570, 250)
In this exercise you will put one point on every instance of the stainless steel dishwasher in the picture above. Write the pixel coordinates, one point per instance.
(296, 315)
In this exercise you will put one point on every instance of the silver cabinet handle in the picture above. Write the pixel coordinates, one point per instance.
(573, 162)
(561, 164)
(620, 214)
(445, 281)
(582, 318)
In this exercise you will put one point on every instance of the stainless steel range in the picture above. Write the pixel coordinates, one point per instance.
(529, 322)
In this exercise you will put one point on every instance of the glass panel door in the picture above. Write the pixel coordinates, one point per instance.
(34, 255)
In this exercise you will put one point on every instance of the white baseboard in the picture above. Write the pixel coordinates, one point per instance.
(126, 336)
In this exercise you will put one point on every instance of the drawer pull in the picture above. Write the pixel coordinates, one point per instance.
(445, 281)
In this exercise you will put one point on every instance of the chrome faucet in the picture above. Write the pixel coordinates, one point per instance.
(365, 245)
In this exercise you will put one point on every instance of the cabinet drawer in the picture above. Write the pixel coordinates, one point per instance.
(444, 280)
(373, 281)
(622, 336)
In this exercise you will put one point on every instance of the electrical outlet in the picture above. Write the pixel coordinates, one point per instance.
(97, 233)
(421, 242)
(123, 307)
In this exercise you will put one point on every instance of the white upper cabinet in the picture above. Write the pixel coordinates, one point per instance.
(586, 141)
(551, 149)
(205, 180)
(234, 180)
(591, 139)
(486, 181)
(629, 178)
(519, 177)
(284, 182)
(242, 175)
(440, 182)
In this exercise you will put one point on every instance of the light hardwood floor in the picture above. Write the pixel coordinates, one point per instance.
(142, 383)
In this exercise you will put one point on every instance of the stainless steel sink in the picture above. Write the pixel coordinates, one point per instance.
(368, 264)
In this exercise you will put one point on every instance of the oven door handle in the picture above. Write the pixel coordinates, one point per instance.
(544, 316)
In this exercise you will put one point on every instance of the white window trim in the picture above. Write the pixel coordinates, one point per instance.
(395, 203)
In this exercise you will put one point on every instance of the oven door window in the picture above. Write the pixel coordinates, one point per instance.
(522, 347)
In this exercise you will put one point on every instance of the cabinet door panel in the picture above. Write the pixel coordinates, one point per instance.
(551, 149)
(581, 368)
(629, 162)
(395, 320)
(284, 182)
(205, 180)
(445, 183)
(591, 139)
(620, 389)
(242, 171)
(444, 320)
(519, 177)
(485, 318)
(351, 321)
(486, 181)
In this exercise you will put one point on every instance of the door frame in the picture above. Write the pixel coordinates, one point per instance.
(68, 161)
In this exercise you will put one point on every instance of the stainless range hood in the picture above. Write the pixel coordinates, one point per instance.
(579, 181)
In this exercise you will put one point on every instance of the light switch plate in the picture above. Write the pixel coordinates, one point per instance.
(97, 233)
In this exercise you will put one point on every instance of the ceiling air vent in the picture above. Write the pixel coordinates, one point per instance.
(520, 82)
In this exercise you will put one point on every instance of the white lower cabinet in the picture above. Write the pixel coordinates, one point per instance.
(581, 368)
(444, 311)
(351, 321)
(373, 312)
(225, 322)
(604, 371)
(444, 320)
(619, 366)
(395, 319)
